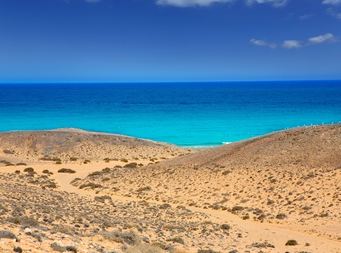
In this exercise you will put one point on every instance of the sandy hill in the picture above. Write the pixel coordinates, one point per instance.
(275, 193)
(66, 144)
(317, 146)
(291, 177)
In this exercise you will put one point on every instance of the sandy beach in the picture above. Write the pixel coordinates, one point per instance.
(74, 191)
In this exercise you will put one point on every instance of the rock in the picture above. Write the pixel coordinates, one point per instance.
(60, 247)
(4, 234)
(28, 231)
(57, 246)
(35, 235)
(17, 249)
(71, 249)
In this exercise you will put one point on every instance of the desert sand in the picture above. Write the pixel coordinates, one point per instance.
(68, 190)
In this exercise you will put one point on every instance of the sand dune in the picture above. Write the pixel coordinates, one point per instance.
(66, 144)
(275, 193)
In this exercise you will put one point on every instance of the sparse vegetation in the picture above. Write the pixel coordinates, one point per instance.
(90, 185)
(29, 170)
(24, 221)
(8, 152)
(66, 170)
(291, 243)
(131, 165)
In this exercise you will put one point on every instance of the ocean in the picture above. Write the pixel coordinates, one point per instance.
(186, 114)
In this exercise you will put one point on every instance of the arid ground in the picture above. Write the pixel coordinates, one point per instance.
(69, 190)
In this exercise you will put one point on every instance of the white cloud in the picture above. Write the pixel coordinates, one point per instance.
(262, 43)
(290, 44)
(331, 2)
(190, 3)
(322, 38)
(276, 3)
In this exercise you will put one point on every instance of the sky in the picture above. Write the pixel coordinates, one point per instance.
(169, 40)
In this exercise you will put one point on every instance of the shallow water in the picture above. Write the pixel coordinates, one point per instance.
(187, 114)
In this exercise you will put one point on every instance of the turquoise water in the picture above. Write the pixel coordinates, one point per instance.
(187, 114)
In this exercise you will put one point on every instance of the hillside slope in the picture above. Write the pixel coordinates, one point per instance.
(63, 144)
(69, 190)
(291, 177)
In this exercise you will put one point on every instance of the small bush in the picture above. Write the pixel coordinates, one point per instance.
(65, 170)
(142, 189)
(225, 227)
(144, 248)
(281, 216)
(207, 251)
(24, 221)
(291, 243)
(236, 209)
(95, 173)
(90, 185)
(262, 245)
(53, 159)
(8, 152)
(130, 165)
(29, 170)
(122, 237)
(177, 240)
(106, 170)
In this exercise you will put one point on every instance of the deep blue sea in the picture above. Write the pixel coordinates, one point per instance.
(187, 114)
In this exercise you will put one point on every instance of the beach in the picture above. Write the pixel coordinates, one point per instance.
(76, 191)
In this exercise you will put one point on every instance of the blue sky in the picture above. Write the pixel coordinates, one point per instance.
(169, 40)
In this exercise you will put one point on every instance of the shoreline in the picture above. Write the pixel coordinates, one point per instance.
(184, 146)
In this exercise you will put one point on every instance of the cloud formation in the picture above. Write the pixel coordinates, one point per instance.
(322, 38)
(276, 3)
(290, 44)
(262, 43)
(190, 3)
(332, 2)
(294, 44)
(203, 3)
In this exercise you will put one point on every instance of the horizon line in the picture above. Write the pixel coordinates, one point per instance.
(167, 82)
